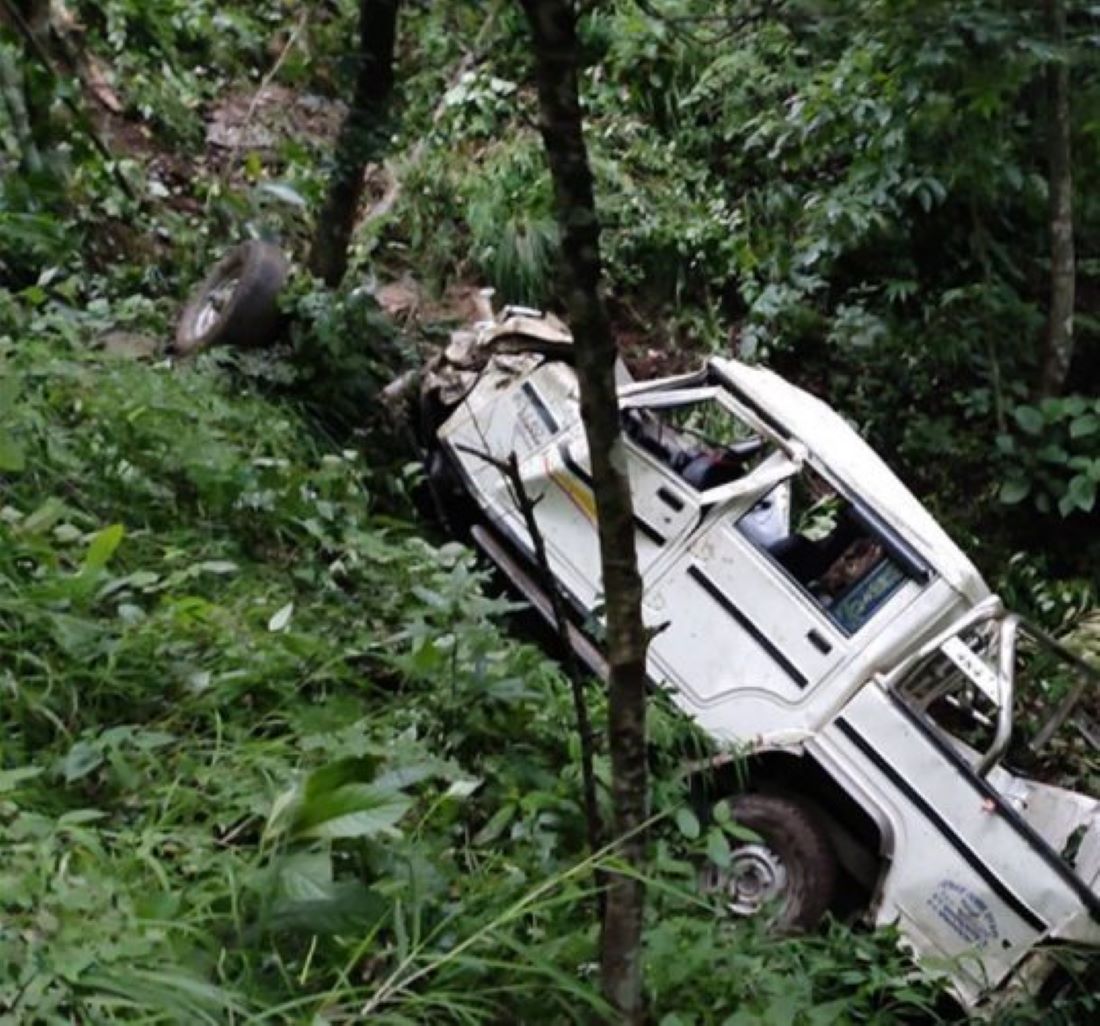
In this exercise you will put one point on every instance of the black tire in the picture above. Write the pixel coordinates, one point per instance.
(792, 834)
(237, 303)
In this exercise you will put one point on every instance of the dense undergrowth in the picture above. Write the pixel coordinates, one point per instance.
(269, 757)
(266, 753)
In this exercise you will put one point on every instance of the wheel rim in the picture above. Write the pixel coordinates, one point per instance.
(216, 302)
(756, 877)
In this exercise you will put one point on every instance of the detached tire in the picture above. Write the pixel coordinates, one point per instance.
(237, 303)
(791, 872)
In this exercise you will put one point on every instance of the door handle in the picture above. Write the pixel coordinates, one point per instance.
(819, 642)
(670, 498)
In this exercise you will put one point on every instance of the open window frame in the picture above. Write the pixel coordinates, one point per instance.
(785, 459)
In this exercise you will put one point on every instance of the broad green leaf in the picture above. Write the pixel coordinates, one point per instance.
(743, 1017)
(740, 832)
(359, 769)
(1082, 493)
(1085, 425)
(102, 547)
(1053, 454)
(12, 457)
(80, 760)
(687, 823)
(497, 824)
(306, 876)
(355, 810)
(783, 1008)
(1014, 490)
(1029, 419)
(43, 518)
(828, 1013)
(74, 634)
(718, 848)
(11, 779)
(9, 392)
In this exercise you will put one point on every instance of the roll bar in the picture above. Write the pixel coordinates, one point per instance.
(1000, 685)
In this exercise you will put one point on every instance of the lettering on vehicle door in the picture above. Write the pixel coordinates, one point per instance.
(965, 912)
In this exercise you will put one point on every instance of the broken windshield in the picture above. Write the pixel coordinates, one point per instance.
(700, 440)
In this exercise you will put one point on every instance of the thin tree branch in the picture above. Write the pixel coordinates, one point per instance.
(268, 78)
(509, 470)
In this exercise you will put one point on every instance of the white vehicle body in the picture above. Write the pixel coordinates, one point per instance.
(978, 866)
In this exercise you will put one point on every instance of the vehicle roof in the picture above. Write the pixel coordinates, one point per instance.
(841, 451)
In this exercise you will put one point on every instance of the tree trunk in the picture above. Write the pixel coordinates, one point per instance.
(1058, 349)
(13, 100)
(28, 107)
(556, 72)
(363, 137)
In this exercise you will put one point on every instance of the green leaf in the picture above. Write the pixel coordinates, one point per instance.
(355, 770)
(280, 619)
(743, 1017)
(1051, 408)
(43, 518)
(9, 392)
(718, 848)
(355, 810)
(11, 779)
(496, 825)
(80, 760)
(828, 1013)
(1029, 419)
(306, 876)
(1014, 490)
(783, 1008)
(1085, 425)
(1081, 494)
(12, 457)
(740, 832)
(687, 823)
(102, 547)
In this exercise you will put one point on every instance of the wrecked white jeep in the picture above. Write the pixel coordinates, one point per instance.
(823, 627)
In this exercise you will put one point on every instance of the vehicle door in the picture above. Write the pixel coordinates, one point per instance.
(776, 587)
(557, 475)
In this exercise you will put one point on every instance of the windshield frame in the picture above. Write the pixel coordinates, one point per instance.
(1011, 627)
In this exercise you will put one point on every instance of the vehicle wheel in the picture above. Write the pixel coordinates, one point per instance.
(791, 872)
(237, 303)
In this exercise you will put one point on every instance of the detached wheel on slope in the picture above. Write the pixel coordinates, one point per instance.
(791, 872)
(237, 303)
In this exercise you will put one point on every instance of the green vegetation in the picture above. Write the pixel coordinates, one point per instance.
(269, 755)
